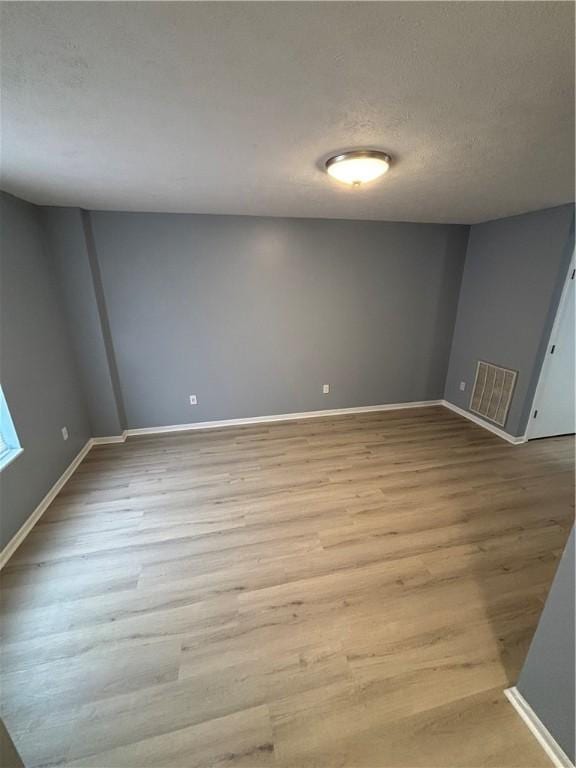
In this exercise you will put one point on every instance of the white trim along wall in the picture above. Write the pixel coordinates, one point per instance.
(548, 743)
(486, 424)
(21, 534)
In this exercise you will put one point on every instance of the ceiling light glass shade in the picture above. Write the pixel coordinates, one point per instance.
(358, 167)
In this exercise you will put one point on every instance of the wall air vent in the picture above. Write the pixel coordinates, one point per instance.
(492, 392)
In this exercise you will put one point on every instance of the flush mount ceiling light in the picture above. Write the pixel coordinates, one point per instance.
(358, 167)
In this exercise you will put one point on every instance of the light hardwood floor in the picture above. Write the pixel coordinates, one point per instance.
(351, 591)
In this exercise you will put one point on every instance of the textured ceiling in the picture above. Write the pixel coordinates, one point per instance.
(230, 107)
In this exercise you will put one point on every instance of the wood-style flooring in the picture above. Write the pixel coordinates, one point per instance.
(342, 592)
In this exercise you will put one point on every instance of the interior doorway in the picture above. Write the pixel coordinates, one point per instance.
(553, 411)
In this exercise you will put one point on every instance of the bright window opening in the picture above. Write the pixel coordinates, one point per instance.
(9, 444)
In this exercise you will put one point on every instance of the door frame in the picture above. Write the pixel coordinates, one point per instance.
(570, 277)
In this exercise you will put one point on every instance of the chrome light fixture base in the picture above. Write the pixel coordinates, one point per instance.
(359, 166)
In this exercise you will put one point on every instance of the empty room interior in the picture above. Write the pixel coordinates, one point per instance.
(287, 404)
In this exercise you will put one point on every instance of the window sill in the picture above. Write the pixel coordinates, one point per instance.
(9, 457)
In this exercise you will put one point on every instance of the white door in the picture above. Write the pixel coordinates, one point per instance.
(553, 411)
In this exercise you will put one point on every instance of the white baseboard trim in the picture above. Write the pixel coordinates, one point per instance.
(220, 424)
(112, 439)
(21, 534)
(486, 424)
(539, 730)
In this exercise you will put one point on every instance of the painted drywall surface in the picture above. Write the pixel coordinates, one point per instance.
(511, 286)
(67, 247)
(103, 314)
(547, 678)
(253, 315)
(38, 374)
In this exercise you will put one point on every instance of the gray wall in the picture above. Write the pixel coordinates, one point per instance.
(38, 373)
(253, 315)
(68, 241)
(514, 272)
(547, 678)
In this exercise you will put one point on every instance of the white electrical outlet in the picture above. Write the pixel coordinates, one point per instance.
(326, 388)
(65, 433)
(193, 400)
(462, 386)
